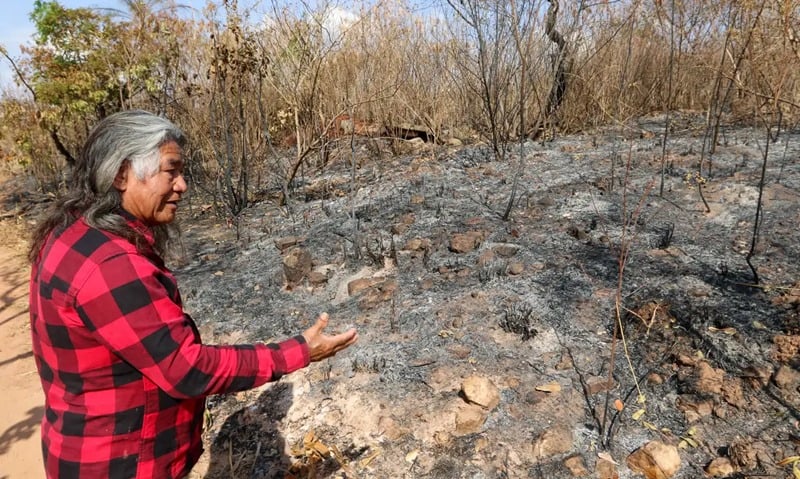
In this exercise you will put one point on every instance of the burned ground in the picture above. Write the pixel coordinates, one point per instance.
(411, 249)
(414, 253)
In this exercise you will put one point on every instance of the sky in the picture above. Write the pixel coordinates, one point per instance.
(16, 27)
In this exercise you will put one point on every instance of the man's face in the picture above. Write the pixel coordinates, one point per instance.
(154, 200)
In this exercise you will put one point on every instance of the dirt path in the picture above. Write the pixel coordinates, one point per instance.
(20, 451)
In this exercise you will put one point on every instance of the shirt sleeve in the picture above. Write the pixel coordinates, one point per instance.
(126, 305)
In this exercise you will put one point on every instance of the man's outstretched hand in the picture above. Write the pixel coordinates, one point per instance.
(321, 346)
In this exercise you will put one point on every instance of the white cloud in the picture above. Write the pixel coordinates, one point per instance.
(338, 20)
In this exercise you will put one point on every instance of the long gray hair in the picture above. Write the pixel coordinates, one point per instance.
(132, 136)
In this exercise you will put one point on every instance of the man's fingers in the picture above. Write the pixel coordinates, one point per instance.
(342, 341)
(346, 338)
(322, 323)
(321, 345)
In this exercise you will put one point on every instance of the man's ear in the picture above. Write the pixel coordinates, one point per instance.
(120, 181)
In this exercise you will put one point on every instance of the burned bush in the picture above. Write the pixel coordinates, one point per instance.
(518, 318)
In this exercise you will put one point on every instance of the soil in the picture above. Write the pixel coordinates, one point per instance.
(20, 449)
(486, 345)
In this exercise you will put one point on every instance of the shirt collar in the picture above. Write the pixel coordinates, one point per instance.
(139, 226)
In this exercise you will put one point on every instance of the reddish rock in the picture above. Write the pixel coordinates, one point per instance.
(655, 460)
(708, 380)
(296, 265)
(552, 442)
(465, 242)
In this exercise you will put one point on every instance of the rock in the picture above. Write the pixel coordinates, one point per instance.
(606, 470)
(459, 351)
(655, 378)
(786, 377)
(505, 250)
(546, 201)
(552, 442)
(708, 380)
(576, 466)
(732, 392)
(444, 380)
(538, 266)
(655, 460)
(481, 391)
(399, 228)
(686, 360)
(486, 257)
(417, 244)
(720, 467)
(578, 233)
(469, 419)
(403, 223)
(743, 454)
(786, 347)
(415, 143)
(757, 376)
(378, 293)
(287, 242)
(700, 291)
(694, 410)
(516, 268)
(407, 219)
(296, 265)
(465, 242)
(598, 384)
(317, 278)
(564, 363)
(361, 284)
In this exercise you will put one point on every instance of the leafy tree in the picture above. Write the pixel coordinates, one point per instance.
(88, 63)
(69, 73)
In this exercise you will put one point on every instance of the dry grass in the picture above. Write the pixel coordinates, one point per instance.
(395, 63)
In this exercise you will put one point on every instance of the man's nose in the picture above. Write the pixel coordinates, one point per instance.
(180, 185)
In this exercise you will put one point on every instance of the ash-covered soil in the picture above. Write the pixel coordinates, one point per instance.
(456, 306)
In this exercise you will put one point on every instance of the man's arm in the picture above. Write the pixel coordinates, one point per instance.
(126, 305)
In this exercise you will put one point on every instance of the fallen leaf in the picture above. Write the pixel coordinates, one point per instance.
(309, 438)
(638, 414)
(549, 388)
(367, 460)
(649, 425)
(788, 460)
(607, 457)
(412, 456)
(689, 441)
(619, 405)
(321, 449)
(729, 331)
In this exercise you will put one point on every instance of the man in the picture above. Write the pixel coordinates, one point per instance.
(122, 366)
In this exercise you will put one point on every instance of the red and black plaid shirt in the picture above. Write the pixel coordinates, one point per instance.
(122, 365)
